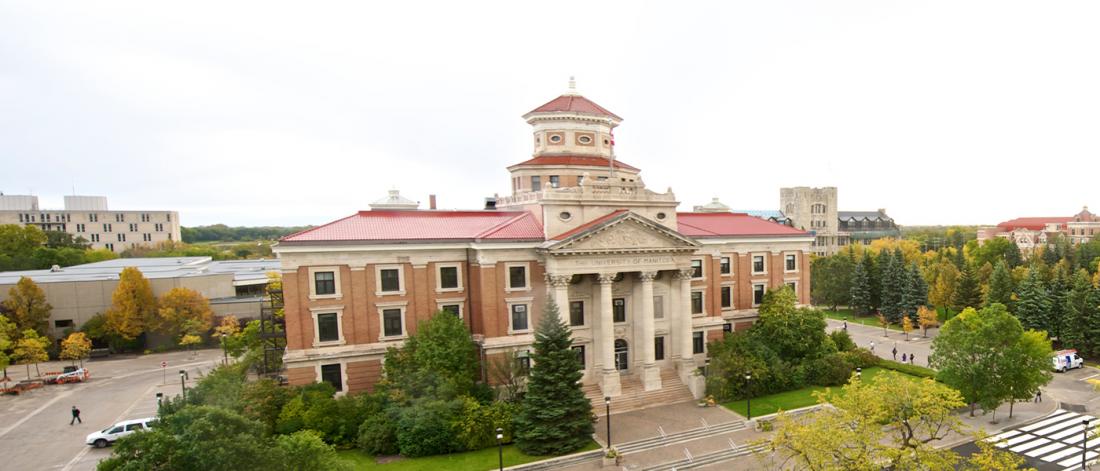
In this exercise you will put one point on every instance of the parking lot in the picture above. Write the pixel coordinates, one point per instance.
(34, 426)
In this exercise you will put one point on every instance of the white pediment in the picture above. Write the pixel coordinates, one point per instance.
(628, 232)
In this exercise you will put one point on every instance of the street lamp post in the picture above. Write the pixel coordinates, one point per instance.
(1084, 443)
(859, 373)
(607, 402)
(183, 384)
(748, 392)
(500, 447)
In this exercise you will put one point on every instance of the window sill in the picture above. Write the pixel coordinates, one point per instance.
(392, 338)
(790, 271)
(698, 314)
(518, 332)
(329, 343)
(318, 297)
(727, 308)
(389, 293)
(512, 290)
(448, 290)
(758, 273)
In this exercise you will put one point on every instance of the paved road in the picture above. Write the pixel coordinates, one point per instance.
(1052, 444)
(34, 427)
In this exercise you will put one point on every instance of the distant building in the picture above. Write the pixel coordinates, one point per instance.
(88, 217)
(1031, 232)
(234, 287)
(866, 226)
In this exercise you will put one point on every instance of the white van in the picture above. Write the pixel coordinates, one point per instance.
(1064, 360)
(108, 435)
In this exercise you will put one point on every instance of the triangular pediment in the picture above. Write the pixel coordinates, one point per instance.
(627, 232)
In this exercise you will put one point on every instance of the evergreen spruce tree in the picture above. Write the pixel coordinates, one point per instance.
(916, 292)
(1056, 290)
(1033, 303)
(1080, 313)
(893, 287)
(960, 259)
(555, 417)
(967, 293)
(860, 299)
(877, 275)
(1013, 257)
(1000, 287)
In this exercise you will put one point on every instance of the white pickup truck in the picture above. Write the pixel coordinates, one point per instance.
(1066, 360)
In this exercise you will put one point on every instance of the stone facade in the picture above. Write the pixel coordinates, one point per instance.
(102, 229)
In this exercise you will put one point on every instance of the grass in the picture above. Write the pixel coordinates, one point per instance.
(872, 321)
(790, 400)
(479, 460)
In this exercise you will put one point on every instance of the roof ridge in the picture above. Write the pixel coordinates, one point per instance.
(306, 231)
(497, 228)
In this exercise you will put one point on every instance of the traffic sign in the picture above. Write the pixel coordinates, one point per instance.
(163, 364)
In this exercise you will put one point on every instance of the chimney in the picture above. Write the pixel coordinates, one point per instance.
(882, 211)
(490, 203)
(431, 201)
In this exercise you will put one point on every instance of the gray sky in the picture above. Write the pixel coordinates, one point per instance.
(271, 113)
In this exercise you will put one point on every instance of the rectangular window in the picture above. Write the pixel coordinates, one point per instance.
(133, 227)
(576, 313)
(63, 324)
(110, 246)
(93, 217)
(618, 309)
(331, 375)
(517, 277)
(536, 183)
(724, 265)
(697, 344)
(792, 286)
(727, 296)
(580, 180)
(659, 348)
(328, 329)
(757, 294)
(158, 227)
(324, 282)
(658, 307)
(696, 268)
(107, 227)
(696, 302)
(390, 280)
(145, 217)
(791, 262)
(448, 277)
(580, 354)
(79, 228)
(523, 362)
(519, 317)
(455, 309)
(391, 323)
(727, 327)
(95, 237)
(122, 237)
(555, 181)
(758, 264)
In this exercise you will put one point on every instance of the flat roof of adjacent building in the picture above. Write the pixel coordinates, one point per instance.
(245, 272)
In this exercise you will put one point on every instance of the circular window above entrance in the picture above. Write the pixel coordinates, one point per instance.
(565, 215)
(661, 216)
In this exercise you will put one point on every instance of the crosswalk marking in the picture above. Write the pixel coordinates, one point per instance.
(1077, 459)
(1044, 450)
(1054, 419)
(1029, 445)
(1057, 438)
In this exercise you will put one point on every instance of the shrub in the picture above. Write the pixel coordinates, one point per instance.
(861, 358)
(842, 340)
(829, 370)
(427, 428)
(263, 400)
(305, 451)
(477, 425)
(378, 433)
(908, 369)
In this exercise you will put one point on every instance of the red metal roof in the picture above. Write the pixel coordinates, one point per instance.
(582, 160)
(1034, 223)
(731, 224)
(575, 104)
(588, 225)
(413, 225)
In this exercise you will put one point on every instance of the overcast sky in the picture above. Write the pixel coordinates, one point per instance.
(299, 113)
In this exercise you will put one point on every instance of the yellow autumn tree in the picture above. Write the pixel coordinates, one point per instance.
(942, 278)
(31, 349)
(906, 326)
(27, 306)
(927, 318)
(75, 347)
(132, 305)
(182, 310)
(910, 249)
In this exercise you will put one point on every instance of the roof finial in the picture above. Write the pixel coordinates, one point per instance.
(572, 85)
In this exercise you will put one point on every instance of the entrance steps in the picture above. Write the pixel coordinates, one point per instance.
(634, 396)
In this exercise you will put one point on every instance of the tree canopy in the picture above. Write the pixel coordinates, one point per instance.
(27, 306)
(132, 305)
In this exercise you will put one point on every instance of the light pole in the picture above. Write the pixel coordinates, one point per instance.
(500, 447)
(183, 384)
(607, 402)
(859, 373)
(748, 392)
(1084, 443)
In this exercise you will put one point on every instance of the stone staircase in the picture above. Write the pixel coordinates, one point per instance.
(634, 396)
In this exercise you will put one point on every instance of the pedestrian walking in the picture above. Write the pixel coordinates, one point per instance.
(903, 357)
(912, 359)
(845, 325)
(1039, 396)
(895, 352)
(872, 346)
(76, 416)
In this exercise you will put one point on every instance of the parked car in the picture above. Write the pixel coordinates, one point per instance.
(1064, 360)
(110, 434)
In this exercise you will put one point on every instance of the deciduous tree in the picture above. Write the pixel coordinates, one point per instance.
(555, 417)
(132, 305)
(76, 347)
(182, 309)
(27, 306)
(794, 333)
(31, 349)
(1026, 366)
(832, 279)
(927, 318)
(943, 278)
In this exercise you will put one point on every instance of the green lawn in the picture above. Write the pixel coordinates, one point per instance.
(789, 400)
(872, 321)
(479, 460)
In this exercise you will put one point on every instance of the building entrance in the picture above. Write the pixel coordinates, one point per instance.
(621, 355)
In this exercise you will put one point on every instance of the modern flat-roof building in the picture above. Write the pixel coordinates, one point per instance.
(89, 218)
(642, 286)
(234, 287)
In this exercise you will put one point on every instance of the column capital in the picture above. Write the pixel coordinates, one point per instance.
(685, 273)
(558, 281)
(647, 276)
(606, 278)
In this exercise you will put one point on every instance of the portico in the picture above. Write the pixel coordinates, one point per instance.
(627, 267)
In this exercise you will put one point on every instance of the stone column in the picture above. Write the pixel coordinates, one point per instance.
(651, 375)
(683, 318)
(560, 293)
(609, 382)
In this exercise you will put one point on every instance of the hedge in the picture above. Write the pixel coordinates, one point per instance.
(908, 369)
